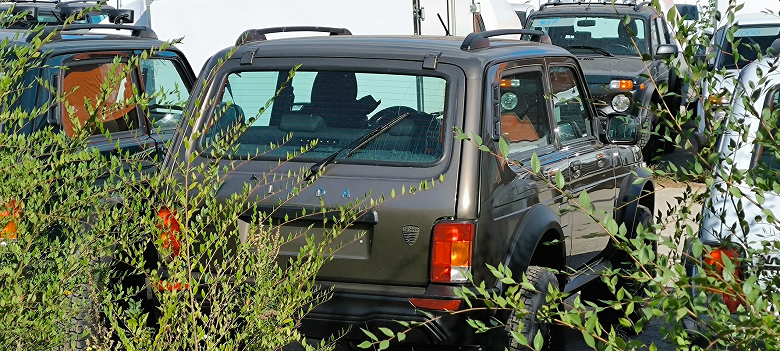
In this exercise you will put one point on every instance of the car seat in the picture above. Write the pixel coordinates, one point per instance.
(228, 116)
(334, 98)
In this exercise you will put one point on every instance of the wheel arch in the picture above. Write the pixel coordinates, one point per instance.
(527, 245)
(633, 193)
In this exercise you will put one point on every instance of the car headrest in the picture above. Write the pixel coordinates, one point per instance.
(301, 123)
(403, 128)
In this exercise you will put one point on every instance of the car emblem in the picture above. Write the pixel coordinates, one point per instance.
(411, 233)
(345, 194)
(320, 192)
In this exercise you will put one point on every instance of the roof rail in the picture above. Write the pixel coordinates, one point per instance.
(30, 1)
(138, 31)
(637, 5)
(65, 3)
(254, 35)
(480, 40)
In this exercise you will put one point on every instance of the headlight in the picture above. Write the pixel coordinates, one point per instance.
(719, 115)
(621, 84)
(621, 103)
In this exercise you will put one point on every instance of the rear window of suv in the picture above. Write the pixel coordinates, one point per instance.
(333, 108)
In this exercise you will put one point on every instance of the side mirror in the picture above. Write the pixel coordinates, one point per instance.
(121, 16)
(623, 130)
(666, 51)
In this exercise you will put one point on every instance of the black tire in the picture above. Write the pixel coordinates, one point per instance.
(599, 292)
(79, 330)
(541, 278)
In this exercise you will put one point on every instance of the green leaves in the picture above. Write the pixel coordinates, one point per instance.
(536, 165)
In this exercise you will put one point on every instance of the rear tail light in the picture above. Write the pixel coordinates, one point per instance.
(715, 261)
(451, 252)
(12, 210)
(170, 231)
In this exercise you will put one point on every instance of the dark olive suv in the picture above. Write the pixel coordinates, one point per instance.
(416, 250)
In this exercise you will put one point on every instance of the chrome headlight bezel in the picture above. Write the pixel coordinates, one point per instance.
(621, 103)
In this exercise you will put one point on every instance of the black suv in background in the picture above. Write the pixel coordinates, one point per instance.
(56, 12)
(611, 55)
(416, 250)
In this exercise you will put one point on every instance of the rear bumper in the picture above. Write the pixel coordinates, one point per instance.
(351, 310)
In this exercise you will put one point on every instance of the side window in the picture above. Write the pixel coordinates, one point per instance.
(525, 124)
(767, 156)
(84, 85)
(168, 94)
(570, 112)
(654, 38)
(663, 31)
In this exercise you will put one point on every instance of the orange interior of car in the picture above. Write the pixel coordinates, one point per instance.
(517, 129)
(87, 81)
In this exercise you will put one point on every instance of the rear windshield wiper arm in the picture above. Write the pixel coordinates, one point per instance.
(353, 146)
(592, 48)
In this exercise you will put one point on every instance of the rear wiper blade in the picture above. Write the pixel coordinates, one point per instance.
(353, 146)
(592, 48)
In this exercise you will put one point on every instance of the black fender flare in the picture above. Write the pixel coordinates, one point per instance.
(631, 194)
(539, 221)
(646, 98)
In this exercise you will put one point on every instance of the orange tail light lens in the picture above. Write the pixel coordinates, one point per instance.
(435, 304)
(451, 252)
(715, 260)
(169, 226)
(13, 210)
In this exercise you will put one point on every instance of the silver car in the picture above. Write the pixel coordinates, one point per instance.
(735, 222)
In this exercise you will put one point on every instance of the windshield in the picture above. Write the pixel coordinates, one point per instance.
(334, 108)
(748, 38)
(594, 35)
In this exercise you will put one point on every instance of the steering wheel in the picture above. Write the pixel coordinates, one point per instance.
(388, 114)
(621, 48)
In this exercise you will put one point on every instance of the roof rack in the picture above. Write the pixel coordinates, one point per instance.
(64, 3)
(30, 1)
(480, 40)
(254, 35)
(637, 5)
(138, 31)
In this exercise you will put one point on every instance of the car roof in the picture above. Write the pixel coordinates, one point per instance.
(397, 47)
(594, 8)
(757, 18)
